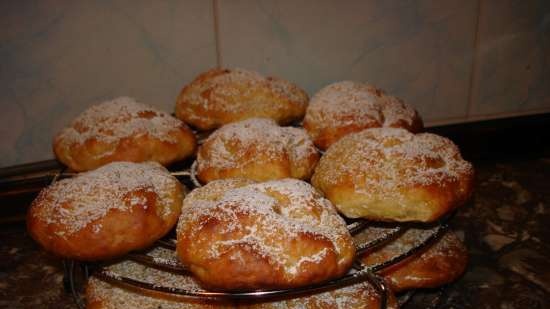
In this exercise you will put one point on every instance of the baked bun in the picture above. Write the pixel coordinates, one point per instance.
(391, 174)
(358, 296)
(122, 130)
(107, 212)
(345, 107)
(440, 263)
(258, 149)
(236, 235)
(103, 295)
(221, 96)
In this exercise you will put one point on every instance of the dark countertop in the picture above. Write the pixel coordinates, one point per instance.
(505, 227)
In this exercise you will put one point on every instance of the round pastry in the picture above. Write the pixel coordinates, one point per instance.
(258, 149)
(123, 130)
(103, 295)
(235, 235)
(357, 296)
(221, 96)
(391, 174)
(345, 107)
(440, 263)
(107, 212)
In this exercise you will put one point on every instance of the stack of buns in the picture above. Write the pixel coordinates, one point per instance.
(256, 224)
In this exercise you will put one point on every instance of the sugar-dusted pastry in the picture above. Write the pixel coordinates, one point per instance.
(391, 174)
(258, 149)
(346, 107)
(106, 212)
(103, 295)
(440, 263)
(122, 130)
(357, 296)
(221, 96)
(237, 235)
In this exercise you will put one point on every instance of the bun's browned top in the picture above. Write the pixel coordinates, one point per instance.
(256, 148)
(347, 106)
(221, 96)
(237, 235)
(123, 130)
(122, 117)
(106, 212)
(78, 201)
(392, 174)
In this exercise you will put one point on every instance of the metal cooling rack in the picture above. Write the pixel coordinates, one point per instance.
(77, 273)
(359, 272)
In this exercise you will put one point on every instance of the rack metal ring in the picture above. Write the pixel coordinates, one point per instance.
(365, 273)
(361, 272)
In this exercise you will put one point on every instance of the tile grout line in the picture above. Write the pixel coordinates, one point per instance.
(216, 13)
(475, 63)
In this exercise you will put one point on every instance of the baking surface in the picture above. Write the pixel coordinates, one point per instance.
(505, 227)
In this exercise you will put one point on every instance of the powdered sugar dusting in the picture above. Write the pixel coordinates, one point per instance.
(382, 160)
(298, 144)
(237, 82)
(443, 247)
(251, 80)
(114, 120)
(360, 295)
(158, 277)
(344, 103)
(402, 244)
(227, 147)
(349, 103)
(283, 210)
(115, 297)
(78, 201)
(396, 111)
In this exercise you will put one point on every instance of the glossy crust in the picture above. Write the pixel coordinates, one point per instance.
(103, 295)
(346, 107)
(358, 296)
(391, 174)
(107, 212)
(257, 149)
(441, 263)
(123, 130)
(221, 96)
(237, 235)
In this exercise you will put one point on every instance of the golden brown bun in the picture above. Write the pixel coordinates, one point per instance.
(237, 235)
(221, 96)
(441, 263)
(346, 107)
(107, 212)
(123, 130)
(358, 296)
(103, 295)
(393, 175)
(257, 149)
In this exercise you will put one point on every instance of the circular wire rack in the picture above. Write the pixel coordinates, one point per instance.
(76, 273)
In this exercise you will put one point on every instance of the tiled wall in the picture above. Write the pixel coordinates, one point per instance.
(454, 60)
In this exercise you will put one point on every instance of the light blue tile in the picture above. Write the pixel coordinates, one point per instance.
(57, 58)
(513, 71)
(421, 51)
